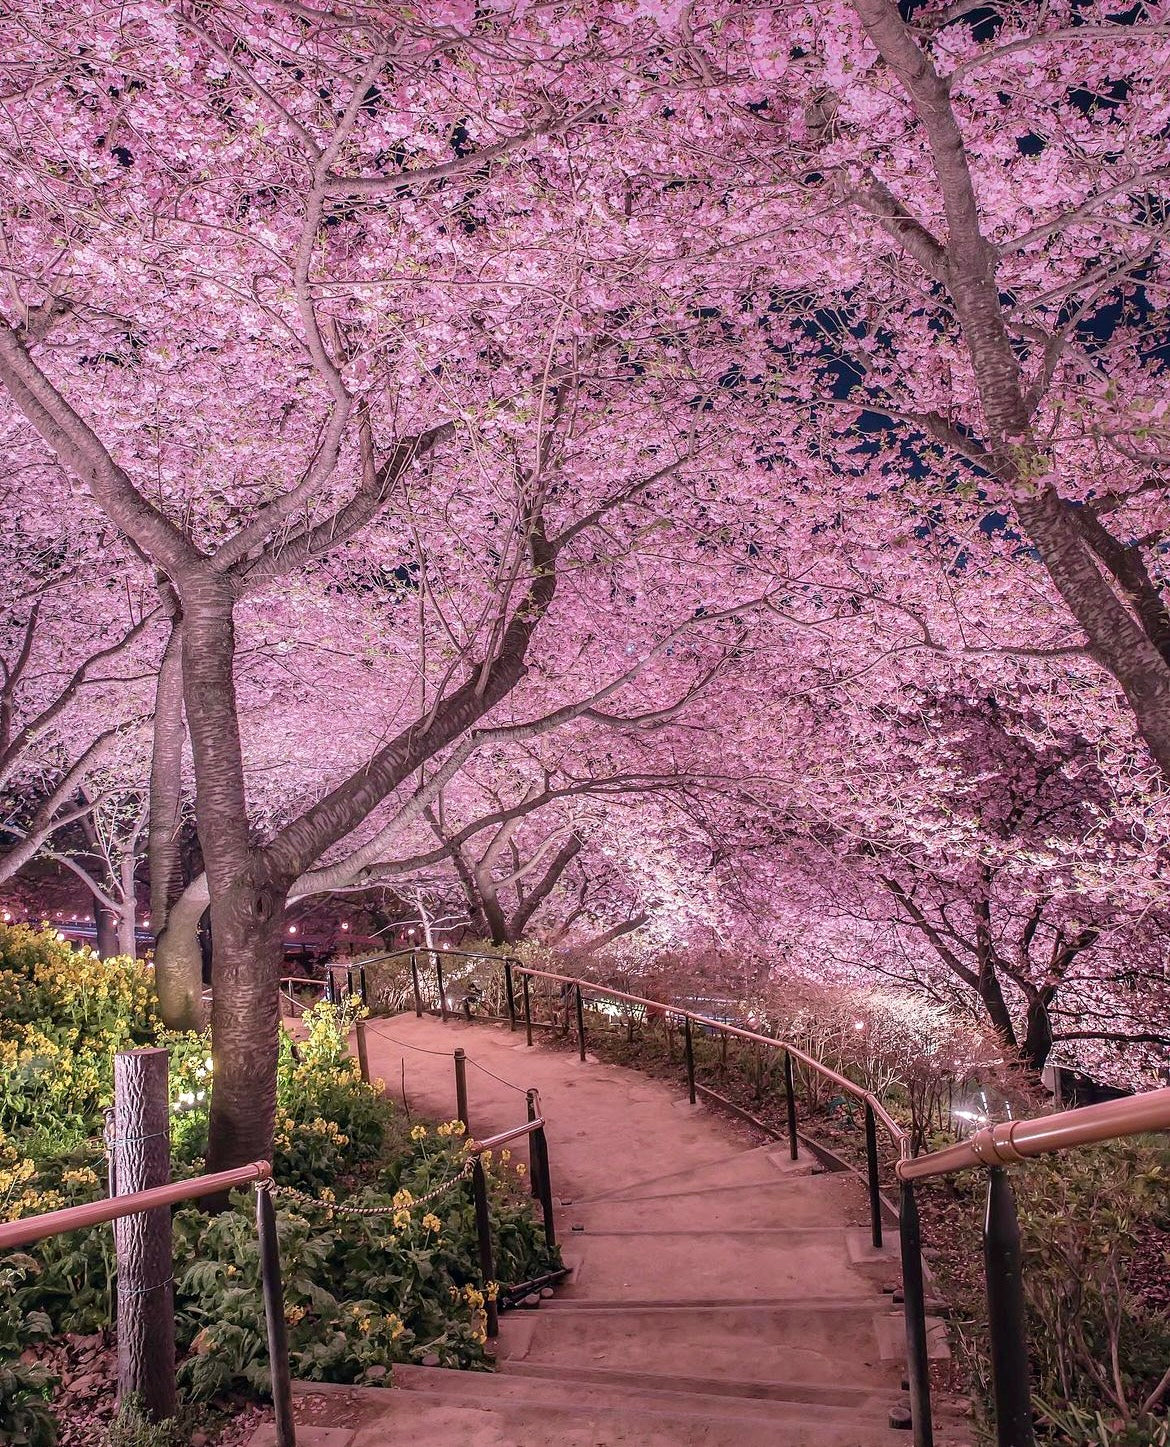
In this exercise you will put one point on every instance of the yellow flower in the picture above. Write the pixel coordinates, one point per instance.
(293, 1314)
(327, 1195)
(396, 1327)
(431, 1222)
(521, 1168)
(364, 1325)
(419, 1133)
(402, 1219)
(505, 1156)
(403, 1198)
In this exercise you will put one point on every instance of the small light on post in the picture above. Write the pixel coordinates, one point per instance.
(292, 929)
(344, 924)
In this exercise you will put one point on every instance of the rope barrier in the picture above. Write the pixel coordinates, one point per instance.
(346, 1210)
(519, 1089)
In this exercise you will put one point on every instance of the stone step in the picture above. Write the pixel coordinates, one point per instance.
(586, 1411)
(747, 1264)
(776, 1199)
(813, 1341)
(741, 1171)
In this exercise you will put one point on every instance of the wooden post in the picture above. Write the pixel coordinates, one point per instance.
(142, 1242)
(461, 1087)
(363, 1056)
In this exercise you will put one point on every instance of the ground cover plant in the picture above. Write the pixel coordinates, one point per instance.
(361, 1292)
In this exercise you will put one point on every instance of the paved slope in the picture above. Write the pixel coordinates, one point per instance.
(721, 1295)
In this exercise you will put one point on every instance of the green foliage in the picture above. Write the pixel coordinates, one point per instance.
(1096, 1231)
(63, 1014)
(25, 1417)
(132, 1428)
(361, 1292)
(328, 1122)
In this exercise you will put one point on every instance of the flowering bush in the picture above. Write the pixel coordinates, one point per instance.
(65, 1013)
(361, 1292)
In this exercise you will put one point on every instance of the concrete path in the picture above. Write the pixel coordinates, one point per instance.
(721, 1295)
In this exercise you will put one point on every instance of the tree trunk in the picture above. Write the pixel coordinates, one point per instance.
(1037, 1035)
(247, 902)
(107, 923)
(178, 961)
(248, 927)
(991, 993)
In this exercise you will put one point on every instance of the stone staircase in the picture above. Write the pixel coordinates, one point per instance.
(720, 1294)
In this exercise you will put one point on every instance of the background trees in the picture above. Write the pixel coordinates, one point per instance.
(603, 466)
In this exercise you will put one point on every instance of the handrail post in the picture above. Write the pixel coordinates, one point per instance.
(330, 990)
(483, 1230)
(362, 1052)
(418, 1005)
(871, 1160)
(362, 984)
(461, 1087)
(914, 1310)
(527, 1009)
(1005, 1314)
(790, 1092)
(286, 1432)
(690, 1045)
(580, 1024)
(510, 994)
(540, 1153)
(442, 988)
(533, 1159)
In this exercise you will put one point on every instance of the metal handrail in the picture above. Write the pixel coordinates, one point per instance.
(900, 1138)
(132, 1203)
(478, 1147)
(1017, 1140)
(113, 1208)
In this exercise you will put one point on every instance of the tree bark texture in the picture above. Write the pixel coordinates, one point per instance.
(146, 1297)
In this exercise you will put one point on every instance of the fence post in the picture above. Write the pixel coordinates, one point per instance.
(540, 1153)
(580, 1024)
(363, 1056)
(790, 1091)
(871, 1160)
(461, 1087)
(442, 987)
(532, 1099)
(1005, 1314)
(527, 1009)
(418, 1007)
(690, 1047)
(286, 1435)
(362, 984)
(510, 994)
(142, 1242)
(483, 1230)
(330, 986)
(914, 1310)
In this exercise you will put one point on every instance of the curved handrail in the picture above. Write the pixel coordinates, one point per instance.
(1017, 1140)
(900, 1138)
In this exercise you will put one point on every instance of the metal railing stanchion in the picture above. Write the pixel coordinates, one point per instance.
(527, 1010)
(871, 1161)
(418, 1004)
(790, 1092)
(580, 1025)
(286, 1435)
(914, 1310)
(510, 994)
(690, 1050)
(1006, 1315)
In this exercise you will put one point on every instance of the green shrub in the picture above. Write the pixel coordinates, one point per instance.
(64, 1013)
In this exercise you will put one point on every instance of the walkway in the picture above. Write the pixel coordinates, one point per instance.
(721, 1296)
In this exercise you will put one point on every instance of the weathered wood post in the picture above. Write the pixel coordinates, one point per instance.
(142, 1242)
